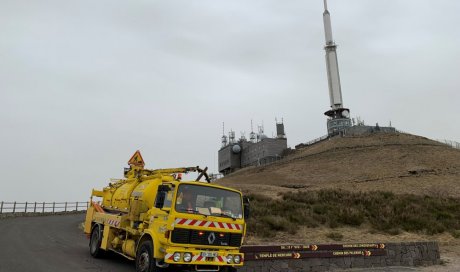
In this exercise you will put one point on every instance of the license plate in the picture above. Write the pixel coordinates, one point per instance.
(209, 254)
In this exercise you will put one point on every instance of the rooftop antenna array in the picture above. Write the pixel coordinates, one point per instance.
(224, 137)
(252, 135)
(243, 136)
(231, 137)
(280, 134)
(260, 135)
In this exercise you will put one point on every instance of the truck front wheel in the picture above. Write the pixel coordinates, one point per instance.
(144, 258)
(95, 242)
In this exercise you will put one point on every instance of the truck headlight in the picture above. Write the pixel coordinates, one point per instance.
(229, 259)
(237, 259)
(176, 256)
(187, 257)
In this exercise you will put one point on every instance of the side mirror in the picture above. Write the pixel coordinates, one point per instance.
(246, 206)
(161, 196)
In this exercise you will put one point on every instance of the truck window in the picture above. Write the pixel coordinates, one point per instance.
(169, 199)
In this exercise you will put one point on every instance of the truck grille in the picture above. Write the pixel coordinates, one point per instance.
(197, 237)
(180, 236)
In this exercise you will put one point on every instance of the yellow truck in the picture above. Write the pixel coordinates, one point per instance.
(166, 224)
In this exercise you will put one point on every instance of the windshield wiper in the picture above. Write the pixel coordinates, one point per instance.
(228, 216)
(193, 211)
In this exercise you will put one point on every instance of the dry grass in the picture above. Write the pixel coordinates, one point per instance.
(397, 163)
(380, 211)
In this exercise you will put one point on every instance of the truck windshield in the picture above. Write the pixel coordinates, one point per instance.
(208, 201)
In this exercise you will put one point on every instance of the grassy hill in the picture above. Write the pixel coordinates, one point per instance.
(380, 187)
(399, 163)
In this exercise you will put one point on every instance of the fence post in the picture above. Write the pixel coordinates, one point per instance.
(43, 207)
(76, 206)
(14, 207)
(1, 208)
(65, 207)
(25, 208)
(35, 207)
(54, 204)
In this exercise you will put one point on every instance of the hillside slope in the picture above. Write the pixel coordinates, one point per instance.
(400, 163)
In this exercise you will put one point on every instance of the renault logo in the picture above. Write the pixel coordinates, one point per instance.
(211, 238)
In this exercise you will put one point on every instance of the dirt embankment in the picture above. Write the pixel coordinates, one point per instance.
(400, 163)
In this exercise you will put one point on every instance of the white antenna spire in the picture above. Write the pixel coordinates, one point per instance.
(335, 90)
(337, 111)
(327, 25)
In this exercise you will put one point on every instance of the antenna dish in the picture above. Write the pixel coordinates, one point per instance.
(236, 149)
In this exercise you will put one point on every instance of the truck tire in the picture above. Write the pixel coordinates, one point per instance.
(95, 242)
(144, 258)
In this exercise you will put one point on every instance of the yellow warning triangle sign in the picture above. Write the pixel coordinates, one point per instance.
(136, 159)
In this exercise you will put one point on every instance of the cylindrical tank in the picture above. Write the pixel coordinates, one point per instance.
(121, 195)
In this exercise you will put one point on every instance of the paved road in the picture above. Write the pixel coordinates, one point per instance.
(51, 243)
(56, 243)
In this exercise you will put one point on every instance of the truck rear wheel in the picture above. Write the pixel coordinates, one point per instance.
(95, 242)
(144, 258)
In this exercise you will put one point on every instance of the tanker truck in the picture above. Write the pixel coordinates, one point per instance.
(166, 224)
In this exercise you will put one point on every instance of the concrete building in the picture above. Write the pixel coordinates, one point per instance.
(258, 150)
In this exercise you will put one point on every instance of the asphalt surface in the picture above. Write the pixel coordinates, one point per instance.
(51, 243)
(56, 243)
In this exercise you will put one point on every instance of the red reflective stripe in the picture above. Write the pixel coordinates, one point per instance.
(230, 226)
(220, 258)
(202, 223)
(193, 222)
(182, 221)
(200, 258)
(238, 227)
(221, 225)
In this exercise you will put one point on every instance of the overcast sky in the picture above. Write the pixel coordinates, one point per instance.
(83, 84)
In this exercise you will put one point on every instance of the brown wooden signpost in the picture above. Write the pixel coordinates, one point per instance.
(312, 251)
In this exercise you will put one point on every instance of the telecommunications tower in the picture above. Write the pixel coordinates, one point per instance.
(339, 117)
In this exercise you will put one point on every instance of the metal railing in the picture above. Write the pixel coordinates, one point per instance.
(41, 207)
(450, 143)
(312, 142)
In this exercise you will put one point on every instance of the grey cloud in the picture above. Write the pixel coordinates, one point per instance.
(83, 84)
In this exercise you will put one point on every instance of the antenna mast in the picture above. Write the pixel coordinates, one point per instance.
(252, 135)
(339, 117)
(224, 137)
